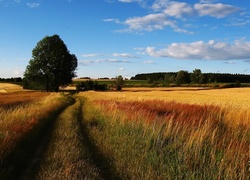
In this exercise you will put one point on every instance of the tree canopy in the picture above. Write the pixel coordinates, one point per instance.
(196, 77)
(119, 83)
(51, 65)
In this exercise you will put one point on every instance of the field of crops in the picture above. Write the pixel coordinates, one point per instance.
(159, 133)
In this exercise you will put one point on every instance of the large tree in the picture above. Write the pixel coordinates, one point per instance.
(51, 65)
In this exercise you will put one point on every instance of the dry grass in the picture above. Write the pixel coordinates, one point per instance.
(6, 87)
(174, 132)
(235, 97)
(16, 122)
(22, 97)
(12, 95)
(236, 101)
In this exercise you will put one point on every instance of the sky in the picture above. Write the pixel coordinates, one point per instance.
(128, 37)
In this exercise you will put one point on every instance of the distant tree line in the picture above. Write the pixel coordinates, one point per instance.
(93, 85)
(13, 79)
(195, 77)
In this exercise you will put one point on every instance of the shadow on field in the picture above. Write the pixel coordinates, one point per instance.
(101, 162)
(28, 154)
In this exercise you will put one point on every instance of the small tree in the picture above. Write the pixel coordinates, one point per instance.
(51, 65)
(197, 76)
(119, 83)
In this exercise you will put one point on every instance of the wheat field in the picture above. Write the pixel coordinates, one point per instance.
(173, 133)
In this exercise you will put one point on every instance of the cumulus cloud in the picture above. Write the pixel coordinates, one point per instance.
(215, 10)
(178, 9)
(167, 14)
(201, 50)
(203, 8)
(149, 23)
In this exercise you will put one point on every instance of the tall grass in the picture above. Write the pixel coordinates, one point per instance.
(10, 100)
(166, 140)
(19, 128)
(66, 157)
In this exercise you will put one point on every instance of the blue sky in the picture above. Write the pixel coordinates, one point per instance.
(127, 37)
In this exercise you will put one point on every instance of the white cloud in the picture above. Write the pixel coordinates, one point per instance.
(88, 62)
(215, 10)
(178, 9)
(124, 55)
(168, 14)
(200, 50)
(149, 22)
(203, 8)
(90, 55)
(121, 69)
(143, 3)
(129, 1)
(32, 5)
(112, 20)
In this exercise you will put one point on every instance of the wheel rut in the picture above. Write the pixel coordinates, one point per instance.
(39, 147)
(65, 150)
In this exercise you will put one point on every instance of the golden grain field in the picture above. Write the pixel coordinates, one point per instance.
(186, 133)
(234, 97)
(235, 101)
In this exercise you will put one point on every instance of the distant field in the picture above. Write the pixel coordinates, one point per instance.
(232, 97)
(13, 95)
(7, 87)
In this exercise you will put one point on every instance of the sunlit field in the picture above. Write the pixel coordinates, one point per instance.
(171, 133)
(6, 87)
(137, 133)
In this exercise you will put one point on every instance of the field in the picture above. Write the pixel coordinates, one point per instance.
(138, 133)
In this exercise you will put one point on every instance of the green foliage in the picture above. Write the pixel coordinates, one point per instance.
(119, 83)
(51, 65)
(197, 77)
(182, 77)
(91, 85)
